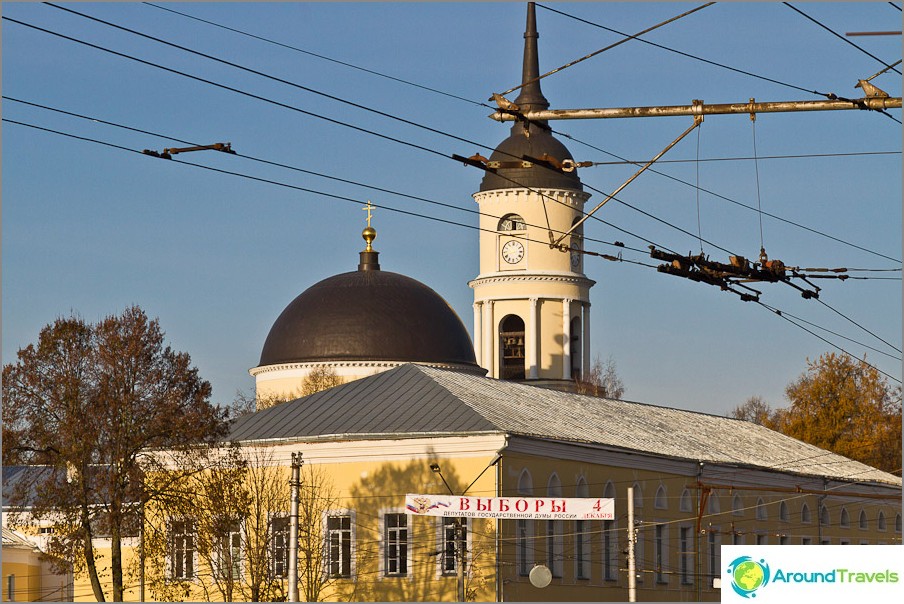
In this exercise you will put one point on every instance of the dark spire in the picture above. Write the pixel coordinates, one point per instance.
(531, 97)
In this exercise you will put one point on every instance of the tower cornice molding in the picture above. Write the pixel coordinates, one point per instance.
(572, 197)
(531, 278)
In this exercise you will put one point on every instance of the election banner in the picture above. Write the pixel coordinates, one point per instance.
(537, 508)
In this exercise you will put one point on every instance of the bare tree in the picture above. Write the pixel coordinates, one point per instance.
(755, 409)
(319, 379)
(602, 380)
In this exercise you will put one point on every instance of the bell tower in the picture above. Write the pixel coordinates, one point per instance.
(531, 301)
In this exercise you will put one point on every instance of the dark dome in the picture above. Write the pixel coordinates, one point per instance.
(368, 315)
(514, 148)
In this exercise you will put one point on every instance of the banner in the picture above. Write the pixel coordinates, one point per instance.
(537, 508)
(812, 573)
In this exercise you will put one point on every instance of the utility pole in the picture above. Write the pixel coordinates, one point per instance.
(632, 574)
(295, 485)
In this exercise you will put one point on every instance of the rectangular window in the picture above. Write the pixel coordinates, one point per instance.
(523, 559)
(11, 588)
(610, 539)
(686, 553)
(339, 545)
(715, 553)
(582, 546)
(806, 541)
(183, 549)
(554, 554)
(450, 543)
(395, 537)
(660, 554)
(783, 540)
(279, 547)
(229, 556)
(762, 540)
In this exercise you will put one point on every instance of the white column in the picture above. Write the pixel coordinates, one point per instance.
(566, 336)
(478, 335)
(533, 350)
(488, 341)
(585, 363)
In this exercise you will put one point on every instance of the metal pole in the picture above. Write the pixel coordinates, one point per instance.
(460, 550)
(295, 484)
(632, 574)
(875, 103)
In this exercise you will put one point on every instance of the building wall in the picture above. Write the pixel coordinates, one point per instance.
(697, 510)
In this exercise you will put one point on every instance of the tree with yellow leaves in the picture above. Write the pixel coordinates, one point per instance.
(844, 405)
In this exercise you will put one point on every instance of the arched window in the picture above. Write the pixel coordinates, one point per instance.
(783, 514)
(511, 348)
(577, 349)
(880, 521)
(824, 516)
(863, 521)
(760, 509)
(686, 504)
(805, 516)
(737, 507)
(713, 507)
(845, 521)
(897, 523)
(660, 502)
(511, 222)
(638, 496)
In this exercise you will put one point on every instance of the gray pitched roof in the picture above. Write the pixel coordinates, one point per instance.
(415, 400)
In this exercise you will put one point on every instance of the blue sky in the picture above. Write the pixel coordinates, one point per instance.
(91, 228)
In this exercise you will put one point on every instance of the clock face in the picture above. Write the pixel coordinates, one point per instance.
(512, 252)
(575, 255)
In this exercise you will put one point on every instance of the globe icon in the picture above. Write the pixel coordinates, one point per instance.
(748, 575)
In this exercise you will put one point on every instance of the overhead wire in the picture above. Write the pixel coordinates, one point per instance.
(319, 56)
(542, 195)
(296, 169)
(445, 93)
(332, 97)
(609, 47)
(343, 198)
(696, 58)
(262, 98)
(819, 337)
(839, 36)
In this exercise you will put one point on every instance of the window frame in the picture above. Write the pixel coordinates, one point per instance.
(345, 542)
(396, 542)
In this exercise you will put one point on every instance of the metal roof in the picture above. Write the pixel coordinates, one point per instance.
(414, 400)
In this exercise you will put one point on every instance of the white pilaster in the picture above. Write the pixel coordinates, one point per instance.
(478, 334)
(533, 349)
(585, 363)
(488, 340)
(566, 344)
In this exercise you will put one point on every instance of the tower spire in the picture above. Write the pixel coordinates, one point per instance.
(531, 97)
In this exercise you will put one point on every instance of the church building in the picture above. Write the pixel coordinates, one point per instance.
(425, 408)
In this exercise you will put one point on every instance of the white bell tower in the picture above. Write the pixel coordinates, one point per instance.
(531, 302)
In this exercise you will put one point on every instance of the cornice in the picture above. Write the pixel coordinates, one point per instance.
(381, 365)
(493, 278)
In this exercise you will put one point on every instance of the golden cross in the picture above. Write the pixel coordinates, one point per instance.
(369, 207)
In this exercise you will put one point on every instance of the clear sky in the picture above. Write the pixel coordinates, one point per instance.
(91, 228)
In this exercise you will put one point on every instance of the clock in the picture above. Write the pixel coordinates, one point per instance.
(575, 254)
(512, 251)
